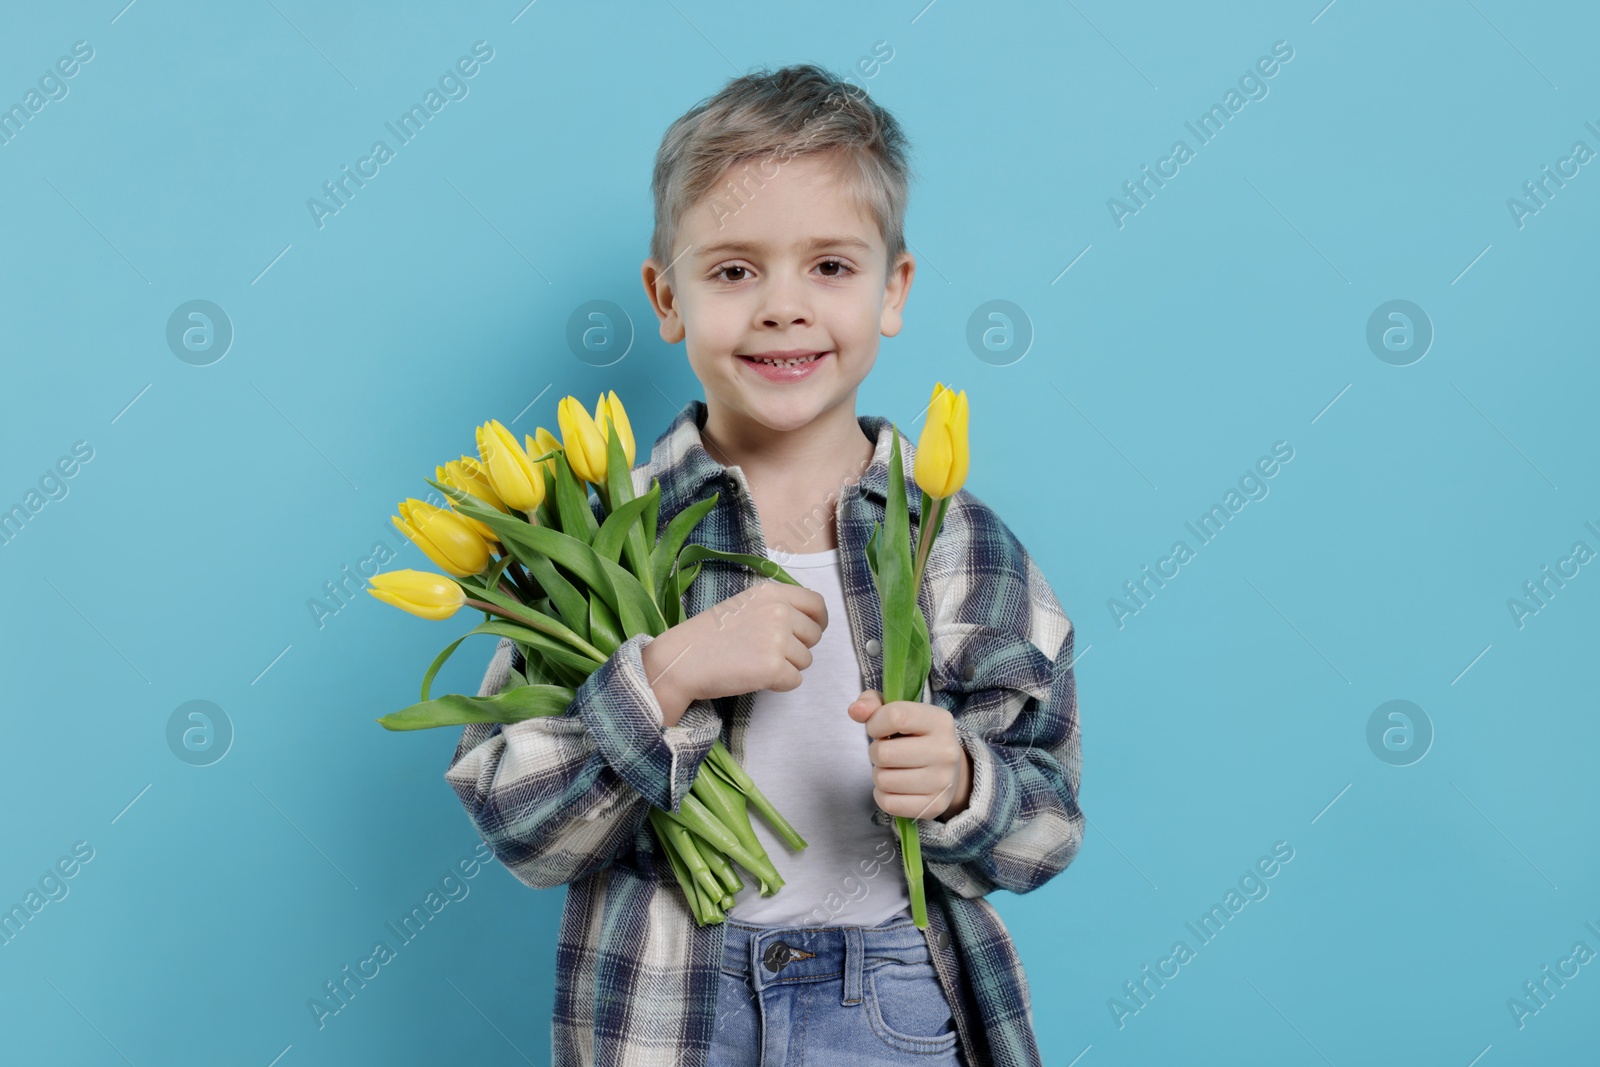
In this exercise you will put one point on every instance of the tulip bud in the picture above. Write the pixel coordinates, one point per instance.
(582, 440)
(511, 473)
(609, 412)
(942, 451)
(422, 593)
(541, 442)
(443, 538)
(467, 475)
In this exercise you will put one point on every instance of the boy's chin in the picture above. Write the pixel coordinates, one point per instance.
(782, 414)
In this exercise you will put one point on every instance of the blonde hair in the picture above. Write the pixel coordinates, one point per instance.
(775, 117)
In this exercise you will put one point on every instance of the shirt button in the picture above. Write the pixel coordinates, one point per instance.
(943, 940)
(874, 646)
(968, 670)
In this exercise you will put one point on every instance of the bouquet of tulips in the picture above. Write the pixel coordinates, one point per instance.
(941, 468)
(520, 542)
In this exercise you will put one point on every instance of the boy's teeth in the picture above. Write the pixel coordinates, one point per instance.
(784, 362)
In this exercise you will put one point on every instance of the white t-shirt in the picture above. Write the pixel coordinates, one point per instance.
(810, 759)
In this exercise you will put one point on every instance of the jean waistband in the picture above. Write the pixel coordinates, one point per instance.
(781, 955)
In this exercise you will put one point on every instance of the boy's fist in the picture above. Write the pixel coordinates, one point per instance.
(758, 639)
(919, 768)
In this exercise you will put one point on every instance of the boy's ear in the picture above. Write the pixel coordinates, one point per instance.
(658, 287)
(895, 294)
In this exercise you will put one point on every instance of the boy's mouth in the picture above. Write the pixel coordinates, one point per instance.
(786, 365)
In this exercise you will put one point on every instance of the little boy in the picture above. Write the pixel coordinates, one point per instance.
(779, 259)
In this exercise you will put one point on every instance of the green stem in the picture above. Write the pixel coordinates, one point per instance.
(680, 871)
(559, 632)
(522, 581)
(911, 851)
(927, 531)
(731, 769)
(696, 817)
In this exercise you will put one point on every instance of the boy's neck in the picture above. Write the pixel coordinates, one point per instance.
(796, 475)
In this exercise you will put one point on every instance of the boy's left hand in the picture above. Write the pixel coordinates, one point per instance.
(919, 768)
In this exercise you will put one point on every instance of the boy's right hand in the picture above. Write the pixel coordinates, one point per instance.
(758, 639)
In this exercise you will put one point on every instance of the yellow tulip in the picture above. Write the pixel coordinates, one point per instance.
(942, 452)
(510, 471)
(541, 442)
(443, 538)
(467, 475)
(583, 440)
(608, 411)
(422, 593)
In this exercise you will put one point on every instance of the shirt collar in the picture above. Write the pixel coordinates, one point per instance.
(685, 467)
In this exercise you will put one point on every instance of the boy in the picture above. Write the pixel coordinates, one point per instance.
(779, 209)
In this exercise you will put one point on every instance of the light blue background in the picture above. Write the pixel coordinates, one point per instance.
(1228, 314)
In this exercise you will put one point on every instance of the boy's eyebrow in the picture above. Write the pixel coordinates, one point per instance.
(816, 242)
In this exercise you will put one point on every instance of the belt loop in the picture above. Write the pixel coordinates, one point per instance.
(853, 955)
(753, 958)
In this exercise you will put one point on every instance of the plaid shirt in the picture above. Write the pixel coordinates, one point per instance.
(562, 800)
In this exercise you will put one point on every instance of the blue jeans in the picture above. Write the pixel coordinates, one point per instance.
(807, 996)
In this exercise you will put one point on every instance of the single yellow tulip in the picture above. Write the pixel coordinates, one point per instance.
(541, 442)
(510, 471)
(583, 440)
(422, 593)
(443, 538)
(467, 475)
(608, 411)
(942, 452)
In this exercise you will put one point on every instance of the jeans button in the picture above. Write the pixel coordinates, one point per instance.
(779, 954)
(874, 646)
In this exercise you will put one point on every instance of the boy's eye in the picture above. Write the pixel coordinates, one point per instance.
(844, 267)
(720, 271)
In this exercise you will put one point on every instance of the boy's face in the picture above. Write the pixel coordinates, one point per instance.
(797, 266)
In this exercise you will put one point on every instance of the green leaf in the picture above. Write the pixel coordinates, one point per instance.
(651, 517)
(665, 554)
(635, 606)
(619, 524)
(678, 580)
(492, 578)
(536, 670)
(572, 503)
(454, 709)
(523, 615)
(896, 595)
(545, 514)
(556, 651)
(622, 592)
(619, 479)
(546, 669)
(604, 630)
(619, 491)
(760, 564)
(438, 661)
(571, 604)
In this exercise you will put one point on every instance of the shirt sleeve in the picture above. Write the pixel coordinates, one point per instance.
(1009, 685)
(562, 796)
